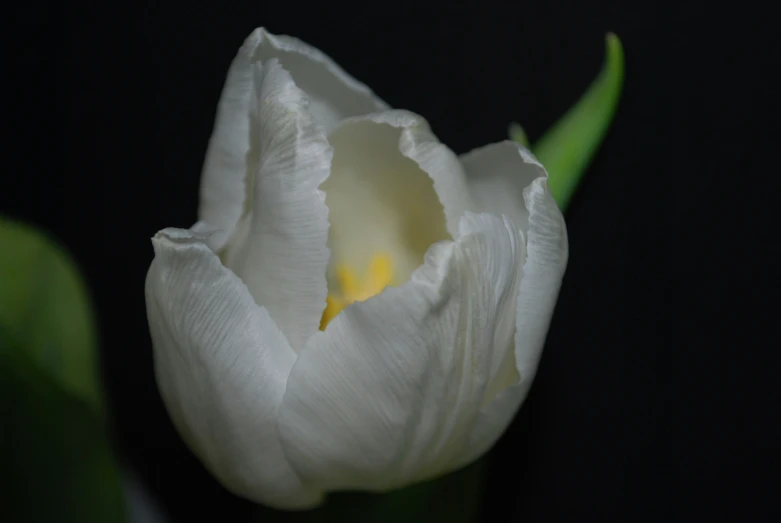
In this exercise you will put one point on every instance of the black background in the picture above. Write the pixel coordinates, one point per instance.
(658, 392)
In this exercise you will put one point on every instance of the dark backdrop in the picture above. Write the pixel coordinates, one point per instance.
(657, 394)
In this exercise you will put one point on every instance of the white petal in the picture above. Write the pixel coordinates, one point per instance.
(225, 169)
(279, 249)
(222, 367)
(393, 187)
(546, 261)
(334, 95)
(389, 393)
(497, 175)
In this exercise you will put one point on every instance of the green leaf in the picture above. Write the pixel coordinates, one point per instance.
(517, 133)
(45, 311)
(569, 146)
(54, 455)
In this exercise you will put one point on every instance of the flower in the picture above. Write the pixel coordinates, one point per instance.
(358, 307)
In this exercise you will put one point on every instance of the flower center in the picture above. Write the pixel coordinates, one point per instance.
(378, 276)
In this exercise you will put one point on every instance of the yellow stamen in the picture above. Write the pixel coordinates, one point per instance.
(379, 275)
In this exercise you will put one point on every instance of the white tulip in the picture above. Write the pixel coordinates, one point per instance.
(440, 274)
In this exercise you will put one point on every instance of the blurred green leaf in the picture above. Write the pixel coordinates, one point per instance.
(568, 147)
(45, 311)
(55, 459)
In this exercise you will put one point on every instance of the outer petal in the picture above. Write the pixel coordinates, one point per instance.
(230, 159)
(390, 183)
(497, 176)
(279, 249)
(498, 171)
(221, 365)
(390, 391)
